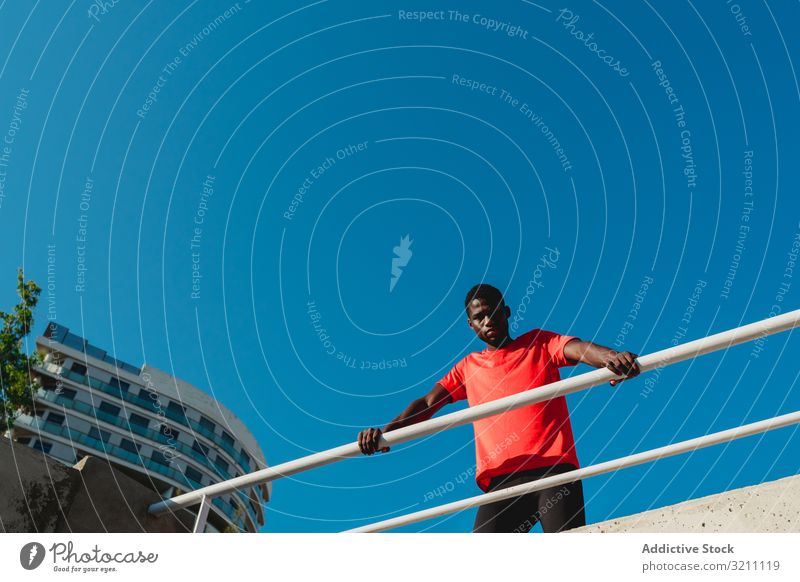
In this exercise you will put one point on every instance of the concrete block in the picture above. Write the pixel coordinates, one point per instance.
(35, 489)
(108, 500)
(770, 507)
(38, 494)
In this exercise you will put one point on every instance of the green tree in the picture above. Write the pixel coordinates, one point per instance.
(17, 383)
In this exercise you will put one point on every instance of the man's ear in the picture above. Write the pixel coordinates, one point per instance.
(508, 312)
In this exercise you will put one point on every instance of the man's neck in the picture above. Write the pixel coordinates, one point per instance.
(503, 343)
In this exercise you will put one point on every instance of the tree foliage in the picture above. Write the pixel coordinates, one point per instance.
(17, 383)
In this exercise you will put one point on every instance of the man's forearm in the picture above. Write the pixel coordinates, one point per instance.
(623, 364)
(415, 412)
(588, 353)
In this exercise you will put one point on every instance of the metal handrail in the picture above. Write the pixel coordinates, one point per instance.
(591, 471)
(648, 362)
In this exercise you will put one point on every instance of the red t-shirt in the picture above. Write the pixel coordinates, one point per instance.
(533, 436)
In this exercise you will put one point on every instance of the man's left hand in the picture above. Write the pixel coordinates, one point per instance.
(623, 364)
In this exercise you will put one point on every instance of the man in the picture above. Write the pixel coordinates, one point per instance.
(520, 445)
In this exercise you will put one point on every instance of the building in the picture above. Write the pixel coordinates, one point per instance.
(154, 427)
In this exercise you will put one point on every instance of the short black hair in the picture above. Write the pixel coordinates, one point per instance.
(484, 291)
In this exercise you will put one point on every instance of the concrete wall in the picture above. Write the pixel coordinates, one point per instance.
(40, 494)
(33, 489)
(769, 507)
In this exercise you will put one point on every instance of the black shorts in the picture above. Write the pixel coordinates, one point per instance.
(557, 508)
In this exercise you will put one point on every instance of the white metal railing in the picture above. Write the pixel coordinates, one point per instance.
(563, 478)
(648, 362)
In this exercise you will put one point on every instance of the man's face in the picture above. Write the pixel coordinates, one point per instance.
(489, 320)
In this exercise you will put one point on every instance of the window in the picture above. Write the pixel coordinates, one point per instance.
(222, 463)
(24, 440)
(109, 408)
(194, 475)
(227, 438)
(146, 399)
(42, 446)
(139, 420)
(175, 407)
(78, 368)
(175, 411)
(159, 458)
(117, 383)
(100, 435)
(129, 445)
(206, 423)
(245, 458)
(55, 418)
(40, 411)
(67, 393)
(168, 431)
(200, 447)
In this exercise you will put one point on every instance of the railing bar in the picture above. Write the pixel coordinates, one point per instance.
(652, 361)
(591, 471)
(202, 515)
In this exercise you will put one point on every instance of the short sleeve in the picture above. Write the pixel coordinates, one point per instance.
(453, 382)
(554, 345)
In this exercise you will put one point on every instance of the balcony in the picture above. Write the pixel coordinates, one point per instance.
(151, 405)
(124, 424)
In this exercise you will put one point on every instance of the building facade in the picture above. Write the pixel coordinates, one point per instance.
(154, 427)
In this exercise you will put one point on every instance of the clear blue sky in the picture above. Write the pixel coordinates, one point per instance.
(643, 142)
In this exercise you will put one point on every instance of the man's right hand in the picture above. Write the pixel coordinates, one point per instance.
(419, 410)
(368, 441)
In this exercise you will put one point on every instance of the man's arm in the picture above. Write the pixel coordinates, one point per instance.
(419, 410)
(621, 363)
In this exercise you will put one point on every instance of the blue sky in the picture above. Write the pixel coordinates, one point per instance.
(273, 156)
